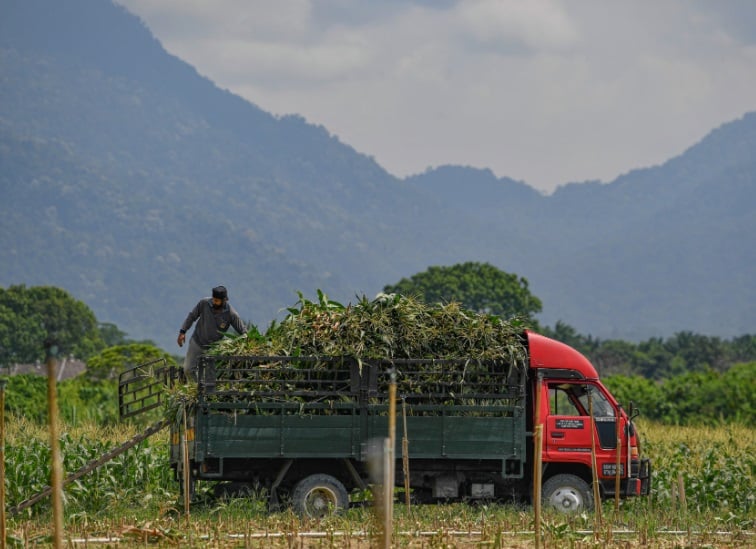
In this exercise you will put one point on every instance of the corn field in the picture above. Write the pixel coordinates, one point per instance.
(703, 495)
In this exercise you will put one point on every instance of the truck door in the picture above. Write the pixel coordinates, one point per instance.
(567, 432)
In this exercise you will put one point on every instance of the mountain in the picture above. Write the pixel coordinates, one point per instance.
(137, 184)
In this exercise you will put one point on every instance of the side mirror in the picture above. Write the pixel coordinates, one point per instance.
(634, 412)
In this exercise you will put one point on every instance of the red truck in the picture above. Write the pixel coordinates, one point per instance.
(302, 429)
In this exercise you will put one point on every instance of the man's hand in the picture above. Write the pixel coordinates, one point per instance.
(181, 339)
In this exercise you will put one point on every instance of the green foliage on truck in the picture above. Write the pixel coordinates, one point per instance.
(389, 326)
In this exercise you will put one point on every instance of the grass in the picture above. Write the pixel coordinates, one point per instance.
(134, 499)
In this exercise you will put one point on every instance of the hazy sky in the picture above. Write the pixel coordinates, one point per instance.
(543, 91)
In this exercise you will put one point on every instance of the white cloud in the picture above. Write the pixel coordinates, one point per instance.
(548, 91)
(536, 24)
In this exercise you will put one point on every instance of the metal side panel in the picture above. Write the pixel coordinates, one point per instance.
(272, 436)
(456, 437)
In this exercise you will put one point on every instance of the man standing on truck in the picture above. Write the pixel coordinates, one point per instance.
(214, 315)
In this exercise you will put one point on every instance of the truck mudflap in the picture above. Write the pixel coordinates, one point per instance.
(644, 475)
(640, 485)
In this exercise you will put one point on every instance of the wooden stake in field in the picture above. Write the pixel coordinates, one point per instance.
(594, 467)
(405, 457)
(537, 462)
(617, 470)
(185, 461)
(3, 382)
(681, 494)
(390, 469)
(56, 480)
(684, 503)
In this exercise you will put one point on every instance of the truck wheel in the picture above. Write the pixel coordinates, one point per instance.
(318, 496)
(567, 493)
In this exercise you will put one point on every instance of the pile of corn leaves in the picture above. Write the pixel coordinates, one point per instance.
(388, 327)
(391, 326)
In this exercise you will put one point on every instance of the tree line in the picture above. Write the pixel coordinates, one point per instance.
(34, 319)
(659, 358)
(482, 287)
(686, 378)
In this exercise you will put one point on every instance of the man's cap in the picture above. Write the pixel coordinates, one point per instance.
(220, 292)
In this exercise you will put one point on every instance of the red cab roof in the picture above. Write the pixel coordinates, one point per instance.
(555, 355)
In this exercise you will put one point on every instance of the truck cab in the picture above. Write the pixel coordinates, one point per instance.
(581, 419)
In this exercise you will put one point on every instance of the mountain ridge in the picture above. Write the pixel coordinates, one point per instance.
(138, 184)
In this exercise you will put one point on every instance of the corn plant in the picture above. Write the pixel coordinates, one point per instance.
(140, 474)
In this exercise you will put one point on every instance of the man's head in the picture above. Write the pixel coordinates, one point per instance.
(220, 295)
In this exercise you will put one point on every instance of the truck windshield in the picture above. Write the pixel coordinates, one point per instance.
(601, 406)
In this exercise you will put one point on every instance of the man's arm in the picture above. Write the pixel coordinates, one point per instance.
(237, 322)
(190, 318)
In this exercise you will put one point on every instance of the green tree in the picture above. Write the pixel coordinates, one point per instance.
(26, 396)
(92, 396)
(739, 393)
(32, 317)
(614, 357)
(114, 360)
(21, 336)
(111, 335)
(698, 352)
(743, 349)
(480, 287)
(645, 394)
(693, 398)
(652, 359)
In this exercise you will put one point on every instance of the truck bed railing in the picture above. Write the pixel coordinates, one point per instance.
(422, 383)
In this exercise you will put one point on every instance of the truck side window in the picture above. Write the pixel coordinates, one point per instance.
(571, 399)
(560, 401)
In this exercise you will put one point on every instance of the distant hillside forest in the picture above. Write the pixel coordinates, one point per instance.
(136, 184)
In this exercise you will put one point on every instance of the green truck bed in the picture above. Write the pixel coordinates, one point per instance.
(315, 407)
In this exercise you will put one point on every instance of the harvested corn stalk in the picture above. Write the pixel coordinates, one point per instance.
(387, 327)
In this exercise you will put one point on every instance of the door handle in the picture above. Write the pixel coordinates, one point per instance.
(557, 434)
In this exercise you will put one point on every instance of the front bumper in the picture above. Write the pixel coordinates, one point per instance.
(639, 483)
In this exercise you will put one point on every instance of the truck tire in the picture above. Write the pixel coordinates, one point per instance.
(567, 493)
(318, 496)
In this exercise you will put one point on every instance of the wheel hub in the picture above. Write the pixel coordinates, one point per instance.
(566, 499)
(319, 501)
